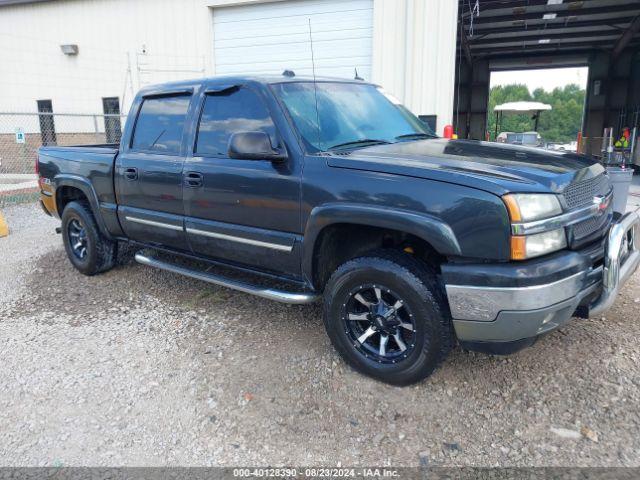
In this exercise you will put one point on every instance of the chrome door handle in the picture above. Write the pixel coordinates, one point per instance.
(131, 174)
(193, 179)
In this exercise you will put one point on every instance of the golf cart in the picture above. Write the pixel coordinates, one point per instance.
(529, 139)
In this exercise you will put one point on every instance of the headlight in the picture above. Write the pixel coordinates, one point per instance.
(526, 207)
(529, 246)
(529, 207)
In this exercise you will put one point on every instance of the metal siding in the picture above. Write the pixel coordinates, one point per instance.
(272, 37)
(407, 46)
(105, 31)
(414, 54)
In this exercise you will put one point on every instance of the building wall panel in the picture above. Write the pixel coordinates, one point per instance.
(124, 45)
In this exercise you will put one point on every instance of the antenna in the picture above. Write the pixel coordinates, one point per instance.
(357, 77)
(315, 85)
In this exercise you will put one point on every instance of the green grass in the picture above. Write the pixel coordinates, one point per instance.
(15, 198)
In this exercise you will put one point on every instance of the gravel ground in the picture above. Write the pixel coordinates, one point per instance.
(142, 367)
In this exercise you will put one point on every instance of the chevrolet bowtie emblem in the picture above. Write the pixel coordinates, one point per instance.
(602, 202)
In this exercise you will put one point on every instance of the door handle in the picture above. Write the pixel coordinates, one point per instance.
(193, 179)
(131, 173)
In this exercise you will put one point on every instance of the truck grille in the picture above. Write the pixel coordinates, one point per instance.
(586, 228)
(581, 193)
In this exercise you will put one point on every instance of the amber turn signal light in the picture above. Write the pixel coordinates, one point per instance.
(512, 208)
(518, 247)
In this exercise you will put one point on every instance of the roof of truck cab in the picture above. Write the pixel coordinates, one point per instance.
(240, 79)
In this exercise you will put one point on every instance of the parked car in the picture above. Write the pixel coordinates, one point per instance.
(528, 139)
(413, 242)
(563, 147)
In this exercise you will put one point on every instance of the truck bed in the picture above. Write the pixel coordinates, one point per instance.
(94, 163)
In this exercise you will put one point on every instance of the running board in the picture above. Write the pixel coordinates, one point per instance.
(271, 294)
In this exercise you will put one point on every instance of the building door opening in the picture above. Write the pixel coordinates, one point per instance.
(47, 125)
(541, 108)
(112, 125)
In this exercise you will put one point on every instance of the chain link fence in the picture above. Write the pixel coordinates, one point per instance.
(21, 134)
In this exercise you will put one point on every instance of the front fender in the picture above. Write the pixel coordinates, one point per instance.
(427, 227)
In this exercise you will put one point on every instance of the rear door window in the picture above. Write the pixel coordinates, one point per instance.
(160, 124)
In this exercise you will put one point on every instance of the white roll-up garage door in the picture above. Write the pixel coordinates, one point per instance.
(267, 38)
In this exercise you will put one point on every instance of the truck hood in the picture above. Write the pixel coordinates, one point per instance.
(493, 167)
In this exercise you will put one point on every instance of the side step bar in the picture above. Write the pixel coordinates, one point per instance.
(271, 294)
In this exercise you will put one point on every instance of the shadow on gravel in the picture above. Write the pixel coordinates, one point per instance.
(129, 284)
(265, 374)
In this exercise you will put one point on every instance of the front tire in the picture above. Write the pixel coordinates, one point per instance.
(386, 315)
(89, 251)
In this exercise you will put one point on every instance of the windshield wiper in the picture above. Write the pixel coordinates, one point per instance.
(360, 143)
(410, 136)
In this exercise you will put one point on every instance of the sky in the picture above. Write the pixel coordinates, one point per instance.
(548, 78)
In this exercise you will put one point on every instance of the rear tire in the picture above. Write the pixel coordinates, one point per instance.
(89, 251)
(358, 315)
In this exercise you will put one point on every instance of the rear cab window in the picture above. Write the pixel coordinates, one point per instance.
(160, 124)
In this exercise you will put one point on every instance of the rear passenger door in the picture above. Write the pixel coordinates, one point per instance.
(148, 174)
(243, 211)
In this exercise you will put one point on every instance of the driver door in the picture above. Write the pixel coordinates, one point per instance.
(241, 211)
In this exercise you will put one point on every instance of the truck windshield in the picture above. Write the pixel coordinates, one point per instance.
(350, 115)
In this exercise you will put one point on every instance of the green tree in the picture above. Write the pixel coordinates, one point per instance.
(561, 124)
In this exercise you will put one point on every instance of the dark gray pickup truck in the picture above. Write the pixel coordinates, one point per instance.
(332, 187)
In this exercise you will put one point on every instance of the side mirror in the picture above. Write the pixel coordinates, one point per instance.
(253, 146)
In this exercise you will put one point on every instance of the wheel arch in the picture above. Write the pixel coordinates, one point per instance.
(72, 187)
(364, 225)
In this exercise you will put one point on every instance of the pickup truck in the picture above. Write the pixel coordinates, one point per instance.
(331, 189)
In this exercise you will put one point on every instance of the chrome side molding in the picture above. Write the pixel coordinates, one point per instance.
(151, 223)
(298, 298)
(247, 241)
(621, 260)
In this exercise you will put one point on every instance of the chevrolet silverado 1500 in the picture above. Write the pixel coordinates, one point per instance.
(414, 242)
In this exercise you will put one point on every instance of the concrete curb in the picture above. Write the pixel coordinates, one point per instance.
(4, 228)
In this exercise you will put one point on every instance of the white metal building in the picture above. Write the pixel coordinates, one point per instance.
(113, 47)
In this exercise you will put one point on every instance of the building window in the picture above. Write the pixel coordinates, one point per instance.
(112, 125)
(47, 125)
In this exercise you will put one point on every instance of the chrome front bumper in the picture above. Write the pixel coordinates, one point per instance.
(505, 314)
(621, 260)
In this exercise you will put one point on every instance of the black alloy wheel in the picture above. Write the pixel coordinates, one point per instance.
(387, 316)
(78, 238)
(88, 249)
(379, 323)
